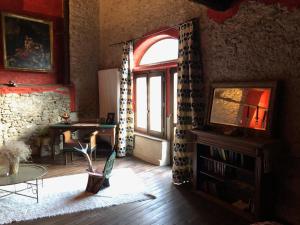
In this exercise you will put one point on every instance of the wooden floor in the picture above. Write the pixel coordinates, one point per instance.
(173, 204)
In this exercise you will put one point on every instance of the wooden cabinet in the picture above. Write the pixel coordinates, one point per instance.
(235, 172)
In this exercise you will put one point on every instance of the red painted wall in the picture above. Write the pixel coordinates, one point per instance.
(220, 17)
(51, 10)
(38, 89)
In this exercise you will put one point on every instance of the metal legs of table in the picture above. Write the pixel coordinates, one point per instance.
(34, 187)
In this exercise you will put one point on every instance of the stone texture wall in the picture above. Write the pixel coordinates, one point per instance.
(259, 43)
(84, 51)
(264, 47)
(124, 20)
(25, 116)
(261, 47)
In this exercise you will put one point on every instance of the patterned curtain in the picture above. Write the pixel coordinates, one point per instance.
(190, 110)
(126, 123)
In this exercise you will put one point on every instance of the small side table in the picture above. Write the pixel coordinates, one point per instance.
(28, 174)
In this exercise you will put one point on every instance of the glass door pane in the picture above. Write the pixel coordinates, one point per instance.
(141, 102)
(174, 76)
(155, 103)
(161, 51)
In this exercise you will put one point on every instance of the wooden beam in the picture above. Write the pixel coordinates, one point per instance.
(66, 9)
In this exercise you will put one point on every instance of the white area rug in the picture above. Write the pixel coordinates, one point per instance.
(64, 195)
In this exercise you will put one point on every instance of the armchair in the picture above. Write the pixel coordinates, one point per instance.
(69, 143)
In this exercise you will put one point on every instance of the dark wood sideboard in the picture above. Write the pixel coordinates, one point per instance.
(235, 172)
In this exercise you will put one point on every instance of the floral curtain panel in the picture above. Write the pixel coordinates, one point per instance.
(126, 123)
(190, 110)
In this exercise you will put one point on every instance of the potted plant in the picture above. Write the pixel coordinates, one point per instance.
(15, 152)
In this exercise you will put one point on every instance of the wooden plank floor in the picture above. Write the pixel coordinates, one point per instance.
(173, 204)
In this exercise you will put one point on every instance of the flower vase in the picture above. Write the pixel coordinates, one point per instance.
(4, 167)
(14, 167)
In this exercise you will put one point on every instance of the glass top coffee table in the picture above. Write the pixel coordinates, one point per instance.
(28, 174)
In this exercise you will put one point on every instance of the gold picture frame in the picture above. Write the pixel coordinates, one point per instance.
(27, 43)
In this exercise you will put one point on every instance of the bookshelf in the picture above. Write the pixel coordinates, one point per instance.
(235, 172)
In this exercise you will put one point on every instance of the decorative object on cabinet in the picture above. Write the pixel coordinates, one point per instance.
(242, 108)
(27, 43)
(65, 116)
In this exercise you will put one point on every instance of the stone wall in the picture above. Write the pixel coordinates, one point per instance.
(260, 42)
(264, 47)
(84, 32)
(124, 20)
(261, 47)
(24, 116)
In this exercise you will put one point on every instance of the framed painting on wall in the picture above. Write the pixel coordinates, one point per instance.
(27, 43)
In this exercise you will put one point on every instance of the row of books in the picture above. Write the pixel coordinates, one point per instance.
(218, 168)
(211, 187)
(227, 155)
(217, 189)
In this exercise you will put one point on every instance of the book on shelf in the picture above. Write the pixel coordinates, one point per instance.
(223, 154)
(227, 156)
(210, 187)
(214, 167)
(217, 153)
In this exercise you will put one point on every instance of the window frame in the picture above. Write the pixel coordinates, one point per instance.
(136, 128)
(172, 72)
(148, 75)
(140, 48)
(150, 65)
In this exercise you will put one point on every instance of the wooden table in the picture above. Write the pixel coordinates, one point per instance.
(104, 130)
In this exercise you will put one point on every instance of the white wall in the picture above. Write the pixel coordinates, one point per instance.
(109, 92)
(152, 150)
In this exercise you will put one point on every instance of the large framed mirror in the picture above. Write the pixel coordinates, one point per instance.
(242, 106)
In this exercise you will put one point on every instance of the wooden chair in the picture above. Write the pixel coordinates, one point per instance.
(100, 179)
(69, 144)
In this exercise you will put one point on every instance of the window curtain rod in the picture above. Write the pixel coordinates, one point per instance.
(145, 36)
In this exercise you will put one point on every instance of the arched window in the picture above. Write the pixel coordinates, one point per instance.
(162, 51)
(155, 60)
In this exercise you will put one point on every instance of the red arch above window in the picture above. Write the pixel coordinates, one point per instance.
(145, 43)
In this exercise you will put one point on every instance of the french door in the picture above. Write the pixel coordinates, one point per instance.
(150, 103)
